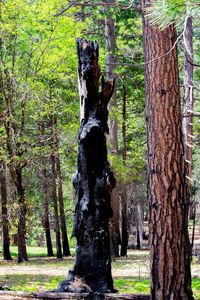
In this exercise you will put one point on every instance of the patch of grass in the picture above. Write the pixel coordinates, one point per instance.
(31, 283)
(41, 273)
(131, 285)
(40, 283)
(40, 263)
(196, 288)
(35, 251)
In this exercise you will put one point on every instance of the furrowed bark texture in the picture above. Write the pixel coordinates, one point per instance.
(93, 181)
(169, 241)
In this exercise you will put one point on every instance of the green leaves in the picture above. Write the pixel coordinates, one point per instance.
(163, 13)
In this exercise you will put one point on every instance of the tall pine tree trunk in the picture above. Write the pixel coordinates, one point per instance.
(93, 181)
(113, 126)
(167, 196)
(5, 221)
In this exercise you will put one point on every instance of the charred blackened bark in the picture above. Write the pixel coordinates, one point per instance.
(93, 181)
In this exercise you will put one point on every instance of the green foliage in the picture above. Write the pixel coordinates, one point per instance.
(166, 12)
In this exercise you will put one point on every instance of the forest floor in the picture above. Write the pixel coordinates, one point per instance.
(131, 274)
(39, 274)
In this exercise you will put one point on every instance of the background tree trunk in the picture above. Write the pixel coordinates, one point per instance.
(168, 206)
(110, 40)
(21, 227)
(54, 195)
(46, 212)
(93, 181)
(5, 221)
(124, 191)
(188, 107)
(65, 243)
(45, 189)
(55, 206)
(140, 227)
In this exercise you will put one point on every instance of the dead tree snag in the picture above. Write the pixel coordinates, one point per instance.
(93, 181)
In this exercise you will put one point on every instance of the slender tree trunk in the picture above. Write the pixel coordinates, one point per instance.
(124, 192)
(21, 227)
(55, 201)
(15, 166)
(188, 99)
(124, 222)
(46, 213)
(193, 226)
(188, 106)
(65, 243)
(139, 226)
(93, 181)
(167, 196)
(45, 189)
(5, 221)
(115, 238)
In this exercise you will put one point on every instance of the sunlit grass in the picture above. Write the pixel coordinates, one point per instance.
(41, 273)
(35, 251)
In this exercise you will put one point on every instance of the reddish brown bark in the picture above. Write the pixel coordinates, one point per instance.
(167, 196)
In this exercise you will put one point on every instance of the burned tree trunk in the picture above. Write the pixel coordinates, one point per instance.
(93, 181)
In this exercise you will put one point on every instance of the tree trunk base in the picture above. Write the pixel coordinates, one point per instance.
(8, 295)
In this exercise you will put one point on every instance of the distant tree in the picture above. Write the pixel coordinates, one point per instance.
(111, 60)
(124, 242)
(65, 243)
(45, 183)
(54, 192)
(5, 221)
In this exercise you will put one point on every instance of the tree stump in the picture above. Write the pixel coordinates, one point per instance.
(93, 181)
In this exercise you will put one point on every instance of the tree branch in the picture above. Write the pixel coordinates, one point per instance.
(84, 4)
